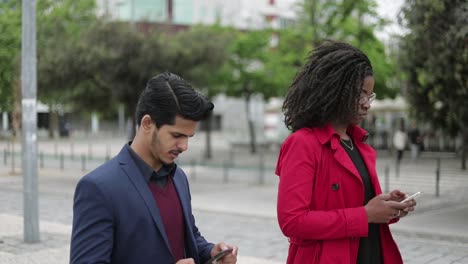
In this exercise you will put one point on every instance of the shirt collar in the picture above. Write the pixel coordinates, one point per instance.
(147, 171)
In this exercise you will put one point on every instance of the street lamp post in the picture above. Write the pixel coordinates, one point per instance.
(29, 122)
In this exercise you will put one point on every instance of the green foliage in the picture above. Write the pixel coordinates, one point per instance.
(246, 64)
(283, 62)
(198, 54)
(352, 21)
(434, 54)
(10, 46)
(60, 26)
(58, 21)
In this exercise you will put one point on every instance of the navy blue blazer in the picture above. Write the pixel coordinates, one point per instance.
(116, 219)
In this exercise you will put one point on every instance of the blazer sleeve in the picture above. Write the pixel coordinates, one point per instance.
(297, 168)
(92, 233)
(203, 247)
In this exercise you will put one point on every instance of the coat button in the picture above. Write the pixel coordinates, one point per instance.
(335, 186)
(353, 238)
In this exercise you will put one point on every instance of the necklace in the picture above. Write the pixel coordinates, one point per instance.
(344, 143)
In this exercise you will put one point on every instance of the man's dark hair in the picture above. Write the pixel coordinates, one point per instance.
(168, 95)
(327, 88)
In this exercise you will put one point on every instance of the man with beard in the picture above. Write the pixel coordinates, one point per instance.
(136, 207)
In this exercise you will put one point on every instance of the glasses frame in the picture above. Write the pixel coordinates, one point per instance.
(367, 99)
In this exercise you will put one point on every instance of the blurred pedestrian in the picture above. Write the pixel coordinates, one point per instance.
(136, 207)
(415, 140)
(399, 142)
(330, 204)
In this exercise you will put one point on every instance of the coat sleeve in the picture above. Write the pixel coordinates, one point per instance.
(297, 168)
(92, 234)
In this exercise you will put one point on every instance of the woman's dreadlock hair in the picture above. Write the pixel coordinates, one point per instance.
(327, 88)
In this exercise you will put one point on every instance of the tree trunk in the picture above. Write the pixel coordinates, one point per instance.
(16, 121)
(208, 153)
(250, 123)
(53, 122)
(132, 130)
(463, 147)
(16, 118)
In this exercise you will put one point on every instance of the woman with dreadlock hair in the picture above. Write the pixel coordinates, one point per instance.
(330, 204)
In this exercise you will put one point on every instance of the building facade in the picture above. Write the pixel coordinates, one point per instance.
(242, 14)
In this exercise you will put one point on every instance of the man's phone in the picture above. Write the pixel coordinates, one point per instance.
(411, 197)
(219, 256)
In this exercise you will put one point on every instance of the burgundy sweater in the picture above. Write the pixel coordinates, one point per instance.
(171, 212)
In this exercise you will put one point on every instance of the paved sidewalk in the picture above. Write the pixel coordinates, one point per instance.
(234, 205)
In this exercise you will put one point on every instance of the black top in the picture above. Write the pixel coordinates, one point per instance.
(159, 177)
(369, 247)
(413, 136)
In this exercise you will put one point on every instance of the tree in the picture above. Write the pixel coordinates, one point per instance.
(353, 22)
(245, 71)
(55, 46)
(199, 61)
(434, 56)
(10, 46)
(57, 21)
(114, 64)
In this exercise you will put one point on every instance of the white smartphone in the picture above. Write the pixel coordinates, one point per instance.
(411, 197)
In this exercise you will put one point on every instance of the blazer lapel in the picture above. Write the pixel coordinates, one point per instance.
(133, 173)
(181, 186)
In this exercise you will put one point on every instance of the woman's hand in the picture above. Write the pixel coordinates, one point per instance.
(382, 209)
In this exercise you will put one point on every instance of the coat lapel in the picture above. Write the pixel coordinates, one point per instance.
(368, 155)
(133, 173)
(328, 135)
(344, 160)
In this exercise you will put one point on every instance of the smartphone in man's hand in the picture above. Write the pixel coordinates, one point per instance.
(219, 256)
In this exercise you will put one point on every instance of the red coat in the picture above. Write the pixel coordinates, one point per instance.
(321, 196)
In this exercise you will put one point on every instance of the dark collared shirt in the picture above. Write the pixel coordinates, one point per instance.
(159, 177)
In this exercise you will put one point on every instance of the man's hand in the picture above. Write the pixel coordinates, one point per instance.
(382, 209)
(230, 258)
(186, 261)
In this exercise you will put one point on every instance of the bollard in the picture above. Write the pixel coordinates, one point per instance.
(56, 150)
(387, 178)
(261, 168)
(62, 165)
(437, 177)
(397, 169)
(232, 156)
(226, 171)
(108, 152)
(193, 171)
(13, 159)
(41, 160)
(90, 151)
(72, 151)
(5, 156)
(83, 162)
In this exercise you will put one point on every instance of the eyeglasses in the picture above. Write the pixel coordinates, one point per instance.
(367, 99)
